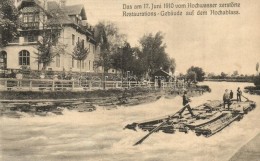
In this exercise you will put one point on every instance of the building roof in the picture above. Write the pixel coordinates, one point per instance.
(59, 15)
(76, 10)
(161, 73)
(52, 6)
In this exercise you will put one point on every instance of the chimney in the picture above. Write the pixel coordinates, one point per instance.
(62, 3)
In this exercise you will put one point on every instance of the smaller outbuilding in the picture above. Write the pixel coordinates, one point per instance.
(162, 75)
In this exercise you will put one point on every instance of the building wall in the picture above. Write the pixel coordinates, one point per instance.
(65, 59)
(13, 56)
(66, 38)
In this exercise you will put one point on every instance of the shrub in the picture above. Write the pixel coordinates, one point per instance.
(257, 80)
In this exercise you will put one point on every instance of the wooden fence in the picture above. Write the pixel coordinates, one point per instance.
(78, 85)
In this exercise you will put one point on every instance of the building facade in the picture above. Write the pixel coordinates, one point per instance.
(73, 29)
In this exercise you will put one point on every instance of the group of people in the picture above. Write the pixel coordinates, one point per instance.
(228, 96)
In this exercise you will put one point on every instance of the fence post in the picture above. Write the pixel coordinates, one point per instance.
(72, 85)
(30, 85)
(6, 85)
(53, 84)
(90, 85)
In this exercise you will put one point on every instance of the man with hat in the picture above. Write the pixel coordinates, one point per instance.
(185, 103)
(226, 98)
(239, 93)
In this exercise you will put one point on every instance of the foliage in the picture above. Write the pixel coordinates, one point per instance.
(223, 75)
(8, 22)
(46, 50)
(127, 59)
(235, 73)
(199, 73)
(110, 40)
(48, 46)
(153, 52)
(191, 76)
(80, 53)
(257, 80)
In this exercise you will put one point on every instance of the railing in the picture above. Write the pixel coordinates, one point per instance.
(78, 85)
(30, 25)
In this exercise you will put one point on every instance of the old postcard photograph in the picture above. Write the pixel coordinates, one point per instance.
(129, 80)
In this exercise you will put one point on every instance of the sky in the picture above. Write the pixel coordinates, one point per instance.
(215, 43)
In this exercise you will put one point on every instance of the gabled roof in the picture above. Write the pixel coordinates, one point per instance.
(52, 6)
(58, 15)
(76, 10)
(161, 73)
(24, 2)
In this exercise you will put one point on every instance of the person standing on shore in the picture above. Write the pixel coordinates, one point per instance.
(231, 94)
(239, 93)
(226, 98)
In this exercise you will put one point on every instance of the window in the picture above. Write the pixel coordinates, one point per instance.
(24, 57)
(89, 47)
(31, 20)
(57, 60)
(94, 49)
(3, 60)
(89, 65)
(73, 39)
(30, 17)
(78, 39)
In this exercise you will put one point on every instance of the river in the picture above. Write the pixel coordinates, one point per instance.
(99, 135)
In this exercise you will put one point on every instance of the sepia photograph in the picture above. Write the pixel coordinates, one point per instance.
(129, 80)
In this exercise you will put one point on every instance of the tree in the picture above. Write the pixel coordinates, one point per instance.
(191, 76)
(8, 22)
(256, 80)
(128, 59)
(170, 65)
(199, 73)
(124, 59)
(223, 75)
(48, 46)
(153, 55)
(110, 40)
(153, 52)
(80, 53)
(210, 75)
(235, 73)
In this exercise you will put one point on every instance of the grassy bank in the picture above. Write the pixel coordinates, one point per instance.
(27, 95)
(37, 95)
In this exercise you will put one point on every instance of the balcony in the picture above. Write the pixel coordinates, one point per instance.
(30, 26)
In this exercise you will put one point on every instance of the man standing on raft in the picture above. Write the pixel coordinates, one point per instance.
(185, 103)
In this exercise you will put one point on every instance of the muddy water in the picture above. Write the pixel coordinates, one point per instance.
(99, 135)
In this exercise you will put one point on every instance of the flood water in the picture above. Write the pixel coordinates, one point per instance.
(99, 135)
